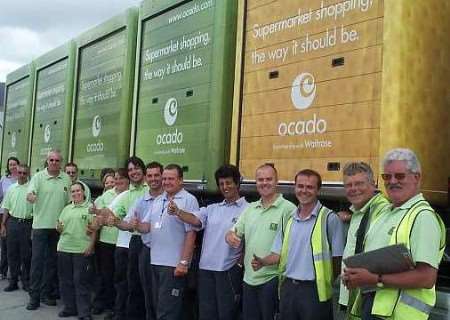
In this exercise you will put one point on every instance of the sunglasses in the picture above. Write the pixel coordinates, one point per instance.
(399, 176)
(71, 172)
(53, 160)
(22, 172)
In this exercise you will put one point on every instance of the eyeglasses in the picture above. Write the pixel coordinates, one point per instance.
(53, 160)
(71, 172)
(398, 176)
(22, 172)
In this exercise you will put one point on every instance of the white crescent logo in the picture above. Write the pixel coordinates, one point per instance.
(47, 133)
(171, 111)
(13, 140)
(96, 125)
(303, 91)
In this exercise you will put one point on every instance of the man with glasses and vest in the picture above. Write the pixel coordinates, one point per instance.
(367, 203)
(410, 221)
(308, 250)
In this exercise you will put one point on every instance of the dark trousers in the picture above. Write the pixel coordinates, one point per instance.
(167, 291)
(299, 300)
(75, 279)
(3, 254)
(219, 293)
(367, 303)
(18, 237)
(105, 293)
(145, 272)
(135, 300)
(260, 302)
(43, 274)
(120, 281)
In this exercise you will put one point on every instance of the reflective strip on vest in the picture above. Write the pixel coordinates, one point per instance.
(415, 303)
(322, 256)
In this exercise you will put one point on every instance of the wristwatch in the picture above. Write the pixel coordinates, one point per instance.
(380, 283)
(184, 263)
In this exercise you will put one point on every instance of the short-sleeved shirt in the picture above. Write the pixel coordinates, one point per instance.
(52, 196)
(127, 200)
(258, 226)
(425, 234)
(140, 210)
(5, 183)
(300, 264)
(107, 234)
(16, 202)
(75, 219)
(217, 219)
(168, 232)
(377, 204)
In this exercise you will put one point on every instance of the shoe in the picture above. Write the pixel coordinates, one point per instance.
(32, 305)
(109, 316)
(49, 302)
(11, 287)
(85, 318)
(97, 310)
(66, 314)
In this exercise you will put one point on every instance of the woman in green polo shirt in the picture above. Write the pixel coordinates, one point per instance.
(75, 249)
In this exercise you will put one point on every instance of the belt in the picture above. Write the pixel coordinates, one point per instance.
(300, 282)
(20, 220)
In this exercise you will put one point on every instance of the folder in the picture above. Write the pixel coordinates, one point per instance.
(391, 259)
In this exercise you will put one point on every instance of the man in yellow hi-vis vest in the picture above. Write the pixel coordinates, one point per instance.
(411, 221)
(307, 249)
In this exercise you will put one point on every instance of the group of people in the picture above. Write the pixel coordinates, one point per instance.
(129, 253)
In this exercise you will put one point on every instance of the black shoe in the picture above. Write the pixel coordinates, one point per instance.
(85, 318)
(109, 316)
(49, 302)
(66, 314)
(32, 305)
(11, 287)
(97, 310)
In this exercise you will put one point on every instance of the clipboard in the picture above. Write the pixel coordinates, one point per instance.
(391, 259)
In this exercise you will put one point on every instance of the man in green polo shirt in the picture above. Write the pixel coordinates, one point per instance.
(257, 227)
(17, 218)
(48, 191)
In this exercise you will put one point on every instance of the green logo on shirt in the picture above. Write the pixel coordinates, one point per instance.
(273, 226)
(84, 216)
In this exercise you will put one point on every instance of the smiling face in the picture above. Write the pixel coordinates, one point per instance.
(72, 172)
(22, 174)
(77, 193)
(401, 184)
(228, 188)
(153, 178)
(109, 182)
(12, 167)
(266, 182)
(54, 162)
(135, 173)
(358, 189)
(121, 183)
(306, 189)
(171, 182)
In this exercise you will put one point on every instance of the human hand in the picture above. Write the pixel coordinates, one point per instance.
(233, 240)
(358, 277)
(181, 270)
(257, 262)
(172, 208)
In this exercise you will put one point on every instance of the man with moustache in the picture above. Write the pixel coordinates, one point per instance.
(367, 203)
(410, 221)
(48, 191)
(172, 244)
(308, 250)
(256, 228)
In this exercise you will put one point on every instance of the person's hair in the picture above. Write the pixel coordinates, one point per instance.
(106, 171)
(123, 172)
(8, 172)
(403, 154)
(78, 183)
(228, 171)
(353, 168)
(310, 173)
(136, 161)
(155, 164)
(71, 164)
(268, 165)
(24, 166)
(57, 151)
(176, 167)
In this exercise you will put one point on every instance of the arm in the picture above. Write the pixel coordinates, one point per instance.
(31, 197)
(91, 248)
(186, 255)
(3, 223)
(184, 216)
(271, 259)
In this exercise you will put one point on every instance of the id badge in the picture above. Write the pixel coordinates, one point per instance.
(158, 225)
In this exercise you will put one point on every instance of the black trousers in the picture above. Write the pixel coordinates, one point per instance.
(219, 293)
(75, 280)
(105, 293)
(135, 299)
(299, 300)
(260, 302)
(18, 237)
(3, 254)
(367, 303)
(145, 272)
(43, 274)
(120, 281)
(168, 292)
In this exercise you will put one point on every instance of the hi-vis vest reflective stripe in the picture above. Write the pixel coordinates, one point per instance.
(406, 304)
(321, 254)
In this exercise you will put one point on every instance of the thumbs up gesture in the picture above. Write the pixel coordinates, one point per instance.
(172, 208)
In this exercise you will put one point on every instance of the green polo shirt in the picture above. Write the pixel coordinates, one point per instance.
(107, 234)
(375, 206)
(52, 196)
(258, 226)
(16, 202)
(425, 234)
(75, 219)
(127, 200)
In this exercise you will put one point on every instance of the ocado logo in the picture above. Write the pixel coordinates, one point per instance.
(171, 111)
(303, 91)
(96, 126)
(13, 140)
(47, 133)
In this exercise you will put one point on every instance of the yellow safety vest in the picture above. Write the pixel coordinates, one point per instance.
(322, 259)
(405, 304)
